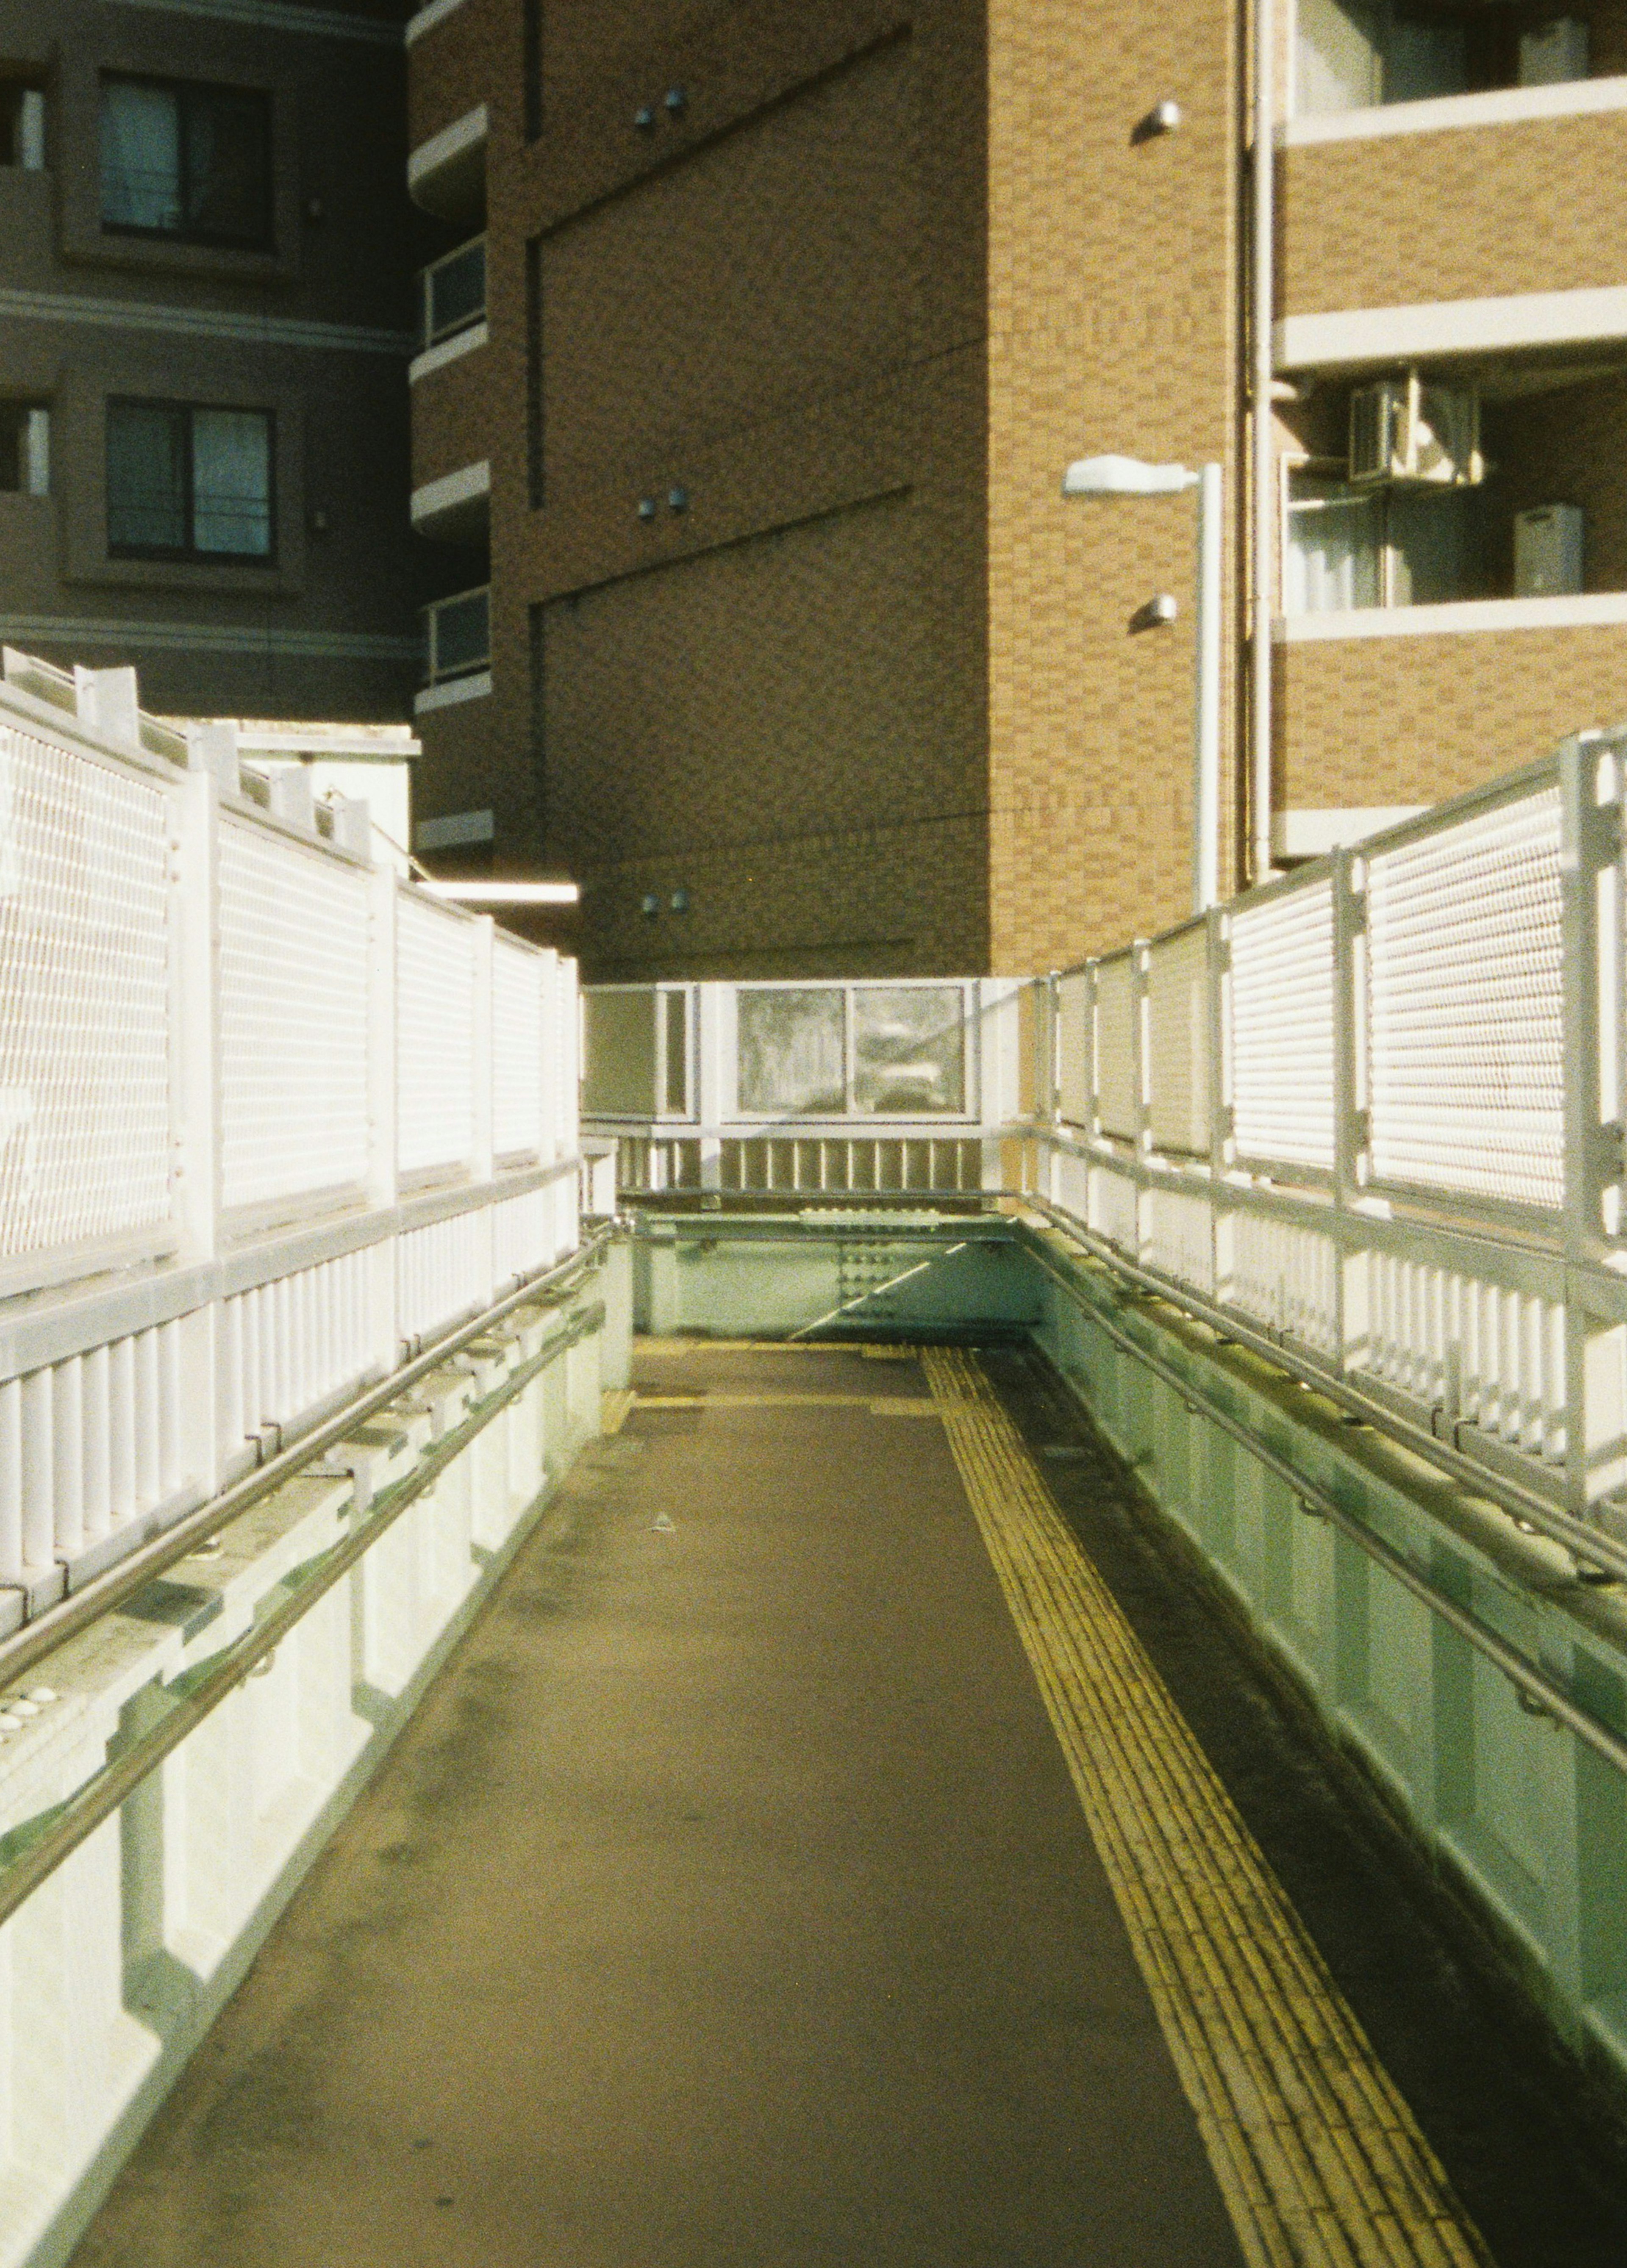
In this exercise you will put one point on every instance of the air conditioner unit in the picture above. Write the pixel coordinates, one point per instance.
(1547, 551)
(1405, 431)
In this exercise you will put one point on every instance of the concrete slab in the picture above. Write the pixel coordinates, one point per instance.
(728, 1905)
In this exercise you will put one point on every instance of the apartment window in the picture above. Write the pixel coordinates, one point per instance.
(186, 161)
(22, 125)
(1353, 54)
(188, 483)
(1360, 547)
(25, 448)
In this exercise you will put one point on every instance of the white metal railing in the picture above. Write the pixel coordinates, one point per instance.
(453, 292)
(268, 1117)
(1374, 1111)
(457, 637)
(895, 1086)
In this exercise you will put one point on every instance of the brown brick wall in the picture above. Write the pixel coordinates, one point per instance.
(1112, 326)
(1389, 720)
(1476, 212)
(777, 265)
(779, 302)
(451, 416)
(449, 67)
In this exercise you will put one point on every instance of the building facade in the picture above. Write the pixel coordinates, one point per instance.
(206, 307)
(768, 619)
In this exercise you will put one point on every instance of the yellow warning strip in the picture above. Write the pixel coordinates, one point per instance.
(1319, 2158)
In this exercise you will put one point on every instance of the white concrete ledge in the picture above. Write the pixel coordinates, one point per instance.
(442, 173)
(1450, 326)
(1313, 834)
(1464, 617)
(473, 687)
(455, 494)
(427, 18)
(445, 350)
(1503, 105)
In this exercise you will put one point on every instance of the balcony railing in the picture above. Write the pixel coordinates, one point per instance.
(457, 637)
(453, 293)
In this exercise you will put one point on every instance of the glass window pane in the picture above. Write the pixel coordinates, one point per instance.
(458, 291)
(1433, 552)
(232, 481)
(1424, 56)
(228, 139)
(910, 1050)
(790, 1051)
(1336, 537)
(146, 477)
(462, 640)
(140, 156)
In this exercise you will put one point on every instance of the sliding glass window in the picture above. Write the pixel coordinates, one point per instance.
(186, 482)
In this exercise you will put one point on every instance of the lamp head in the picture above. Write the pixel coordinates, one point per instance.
(1113, 475)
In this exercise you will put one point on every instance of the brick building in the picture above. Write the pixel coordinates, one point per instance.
(206, 254)
(764, 334)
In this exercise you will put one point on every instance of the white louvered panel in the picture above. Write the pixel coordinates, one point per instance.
(293, 1019)
(283, 1348)
(1073, 1019)
(1118, 1086)
(1282, 1035)
(1178, 1041)
(521, 1235)
(1466, 1045)
(442, 1271)
(517, 1042)
(1180, 1238)
(435, 968)
(1493, 1356)
(1114, 1209)
(1283, 1275)
(84, 1098)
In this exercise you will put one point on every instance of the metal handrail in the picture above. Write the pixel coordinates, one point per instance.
(38, 1639)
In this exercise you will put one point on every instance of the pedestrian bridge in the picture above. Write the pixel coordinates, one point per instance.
(963, 1621)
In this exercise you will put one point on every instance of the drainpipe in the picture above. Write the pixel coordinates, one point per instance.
(1265, 466)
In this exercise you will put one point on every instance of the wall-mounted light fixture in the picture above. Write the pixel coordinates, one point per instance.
(646, 507)
(678, 498)
(650, 905)
(681, 901)
(644, 119)
(1128, 476)
(677, 101)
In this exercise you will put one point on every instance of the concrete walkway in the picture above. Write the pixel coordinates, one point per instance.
(728, 1903)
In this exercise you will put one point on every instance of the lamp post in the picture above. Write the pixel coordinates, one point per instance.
(1115, 476)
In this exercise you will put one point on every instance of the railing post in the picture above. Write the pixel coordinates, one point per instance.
(1350, 1097)
(713, 1101)
(384, 1340)
(196, 1128)
(1595, 1346)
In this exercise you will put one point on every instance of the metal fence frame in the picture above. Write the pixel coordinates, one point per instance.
(1498, 1323)
(142, 1373)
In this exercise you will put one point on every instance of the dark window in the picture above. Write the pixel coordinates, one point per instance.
(22, 125)
(25, 448)
(186, 161)
(186, 483)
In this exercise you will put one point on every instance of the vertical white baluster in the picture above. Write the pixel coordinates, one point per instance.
(10, 1477)
(149, 1463)
(121, 1428)
(97, 1485)
(171, 1385)
(39, 1470)
(68, 1458)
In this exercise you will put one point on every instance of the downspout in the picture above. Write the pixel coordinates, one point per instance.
(1262, 452)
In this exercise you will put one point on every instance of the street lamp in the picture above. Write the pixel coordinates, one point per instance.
(1115, 476)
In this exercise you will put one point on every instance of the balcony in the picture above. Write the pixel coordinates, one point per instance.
(1473, 237)
(446, 172)
(456, 651)
(451, 308)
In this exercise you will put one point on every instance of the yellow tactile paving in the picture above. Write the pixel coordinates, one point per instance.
(891, 1405)
(1319, 2158)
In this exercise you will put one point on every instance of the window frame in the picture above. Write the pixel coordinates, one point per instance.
(185, 89)
(190, 554)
